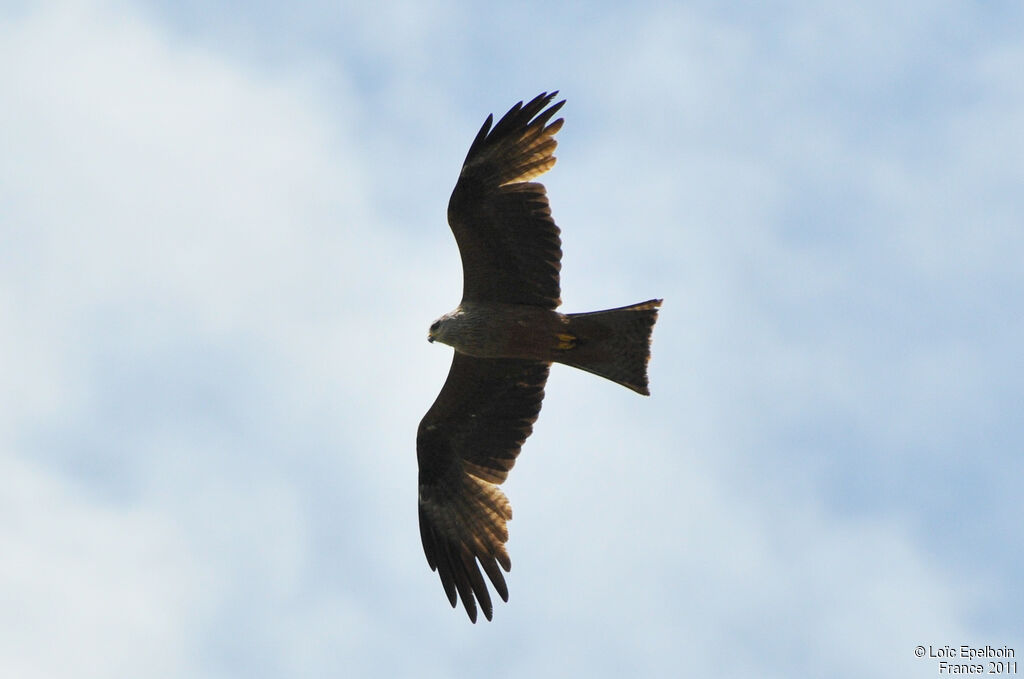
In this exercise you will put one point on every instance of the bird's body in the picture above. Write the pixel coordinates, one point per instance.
(506, 332)
(501, 330)
(611, 343)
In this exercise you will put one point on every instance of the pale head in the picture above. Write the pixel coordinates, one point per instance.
(444, 329)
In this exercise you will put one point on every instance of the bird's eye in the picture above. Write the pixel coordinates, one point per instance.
(434, 326)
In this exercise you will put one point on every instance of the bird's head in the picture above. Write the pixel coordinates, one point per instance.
(443, 329)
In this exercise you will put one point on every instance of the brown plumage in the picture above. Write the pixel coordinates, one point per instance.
(506, 333)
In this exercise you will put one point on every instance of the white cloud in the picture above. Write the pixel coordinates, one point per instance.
(93, 590)
(170, 219)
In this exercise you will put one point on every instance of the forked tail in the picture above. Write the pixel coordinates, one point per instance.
(615, 343)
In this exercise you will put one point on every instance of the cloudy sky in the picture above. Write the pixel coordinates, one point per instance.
(222, 240)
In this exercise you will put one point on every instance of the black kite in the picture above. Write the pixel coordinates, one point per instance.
(506, 333)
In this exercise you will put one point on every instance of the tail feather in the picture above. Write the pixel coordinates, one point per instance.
(614, 343)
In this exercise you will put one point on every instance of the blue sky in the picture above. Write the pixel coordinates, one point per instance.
(222, 239)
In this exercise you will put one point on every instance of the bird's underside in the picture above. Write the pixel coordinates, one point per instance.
(506, 332)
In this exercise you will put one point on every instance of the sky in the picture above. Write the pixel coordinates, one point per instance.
(223, 238)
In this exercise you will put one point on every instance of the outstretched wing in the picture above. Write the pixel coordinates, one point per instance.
(510, 248)
(466, 445)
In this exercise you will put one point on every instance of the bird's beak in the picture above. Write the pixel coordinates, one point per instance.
(430, 338)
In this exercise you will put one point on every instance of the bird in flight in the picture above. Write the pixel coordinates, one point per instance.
(506, 333)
